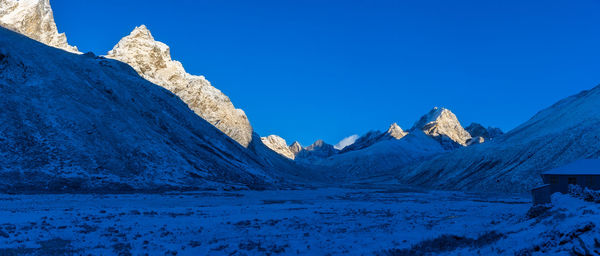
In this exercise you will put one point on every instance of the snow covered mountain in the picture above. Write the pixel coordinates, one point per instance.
(370, 155)
(439, 123)
(35, 19)
(84, 123)
(372, 137)
(152, 60)
(278, 145)
(318, 150)
(379, 157)
(567, 131)
(443, 125)
(380, 153)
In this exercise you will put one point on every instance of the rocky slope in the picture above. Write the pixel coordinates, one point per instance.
(565, 132)
(443, 125)
(82, 123)
(35, 19)
(278, 145)
(152, 60)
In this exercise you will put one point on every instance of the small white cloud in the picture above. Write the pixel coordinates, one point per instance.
(346, 142)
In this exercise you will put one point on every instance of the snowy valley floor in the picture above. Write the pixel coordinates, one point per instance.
(304, 222)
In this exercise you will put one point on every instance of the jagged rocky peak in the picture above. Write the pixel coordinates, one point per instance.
(396, 132)
(477, 130)
(278, 145)
(34, 19)
(152, 60)
(295, 148)
(443, 125)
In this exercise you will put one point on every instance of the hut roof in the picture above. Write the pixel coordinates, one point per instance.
(581, 167)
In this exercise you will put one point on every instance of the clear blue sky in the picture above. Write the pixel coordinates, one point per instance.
(314, 69)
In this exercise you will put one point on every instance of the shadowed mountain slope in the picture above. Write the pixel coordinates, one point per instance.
(84, 123)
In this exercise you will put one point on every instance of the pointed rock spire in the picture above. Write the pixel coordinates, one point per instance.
(442, 124)
(396, 132)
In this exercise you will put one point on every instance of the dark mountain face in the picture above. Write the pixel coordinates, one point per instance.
(82, 123)
(477, 130)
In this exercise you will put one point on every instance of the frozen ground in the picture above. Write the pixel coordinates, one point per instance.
(316, 222)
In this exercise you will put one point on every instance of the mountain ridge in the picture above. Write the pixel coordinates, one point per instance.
(97, 126)
(152, 60)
